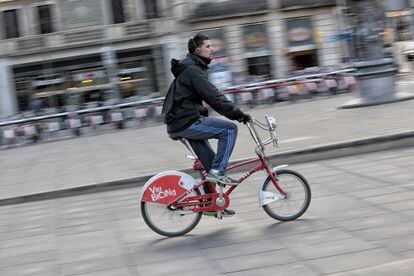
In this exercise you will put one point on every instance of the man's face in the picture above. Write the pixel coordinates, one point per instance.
(206, 49)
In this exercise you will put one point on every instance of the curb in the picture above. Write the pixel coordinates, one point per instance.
(334, 150)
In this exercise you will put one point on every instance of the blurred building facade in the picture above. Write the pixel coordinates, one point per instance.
(259, 39)
(74, 53)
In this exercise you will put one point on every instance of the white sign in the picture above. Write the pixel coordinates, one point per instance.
(48, 82)
(132, 70)
(9, 134)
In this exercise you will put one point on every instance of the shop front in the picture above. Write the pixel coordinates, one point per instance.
(84, 82)
(301, 47)
(399, 36)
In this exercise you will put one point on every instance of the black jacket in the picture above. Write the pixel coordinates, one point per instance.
(192, 88)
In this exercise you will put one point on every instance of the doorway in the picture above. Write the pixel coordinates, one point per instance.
(304, 59)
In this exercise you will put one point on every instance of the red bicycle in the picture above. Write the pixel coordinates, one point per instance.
(172, 204)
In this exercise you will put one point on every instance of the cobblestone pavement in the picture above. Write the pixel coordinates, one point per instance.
(145, 151)
(361, 217)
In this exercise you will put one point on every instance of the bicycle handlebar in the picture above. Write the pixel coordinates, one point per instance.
(253, 132)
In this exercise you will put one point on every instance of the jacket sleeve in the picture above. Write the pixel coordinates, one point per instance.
(210, 94)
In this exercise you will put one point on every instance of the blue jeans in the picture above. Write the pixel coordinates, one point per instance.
(211, 128)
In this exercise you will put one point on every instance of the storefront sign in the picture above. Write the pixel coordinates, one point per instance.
(89, 75)
(48, 82)
(220, 75)
(398, 13)
(132, 70)
(300, 34)
(255, 40)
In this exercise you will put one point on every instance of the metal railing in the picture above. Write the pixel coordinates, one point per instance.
(79, 112)
(138, 112)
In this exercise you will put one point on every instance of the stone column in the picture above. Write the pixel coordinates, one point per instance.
(329, 54)
(160, 71)
(235, 50)
(171, 48)
(278, 45)
(8, 99)
(140, 10)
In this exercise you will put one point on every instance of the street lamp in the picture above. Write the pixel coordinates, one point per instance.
(376, 74)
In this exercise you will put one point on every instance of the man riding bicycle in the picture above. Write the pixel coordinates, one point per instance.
(189, 118)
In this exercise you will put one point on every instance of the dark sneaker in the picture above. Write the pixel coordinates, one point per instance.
(228, 213)
(221, 178)
(225, 213)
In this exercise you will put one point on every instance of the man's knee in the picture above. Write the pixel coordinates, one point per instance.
(233, 127)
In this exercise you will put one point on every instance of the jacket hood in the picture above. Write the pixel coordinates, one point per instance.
(178, 66)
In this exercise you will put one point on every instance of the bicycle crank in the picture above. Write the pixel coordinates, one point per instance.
(221, 201)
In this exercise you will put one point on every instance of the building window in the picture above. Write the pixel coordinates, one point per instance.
(11, 24)
(259, 66)
(152, 9)
(301, 45)
(118, 14)
(257, 50)
(45, 19)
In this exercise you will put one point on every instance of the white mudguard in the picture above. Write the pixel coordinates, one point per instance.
(165, 187)
(266, 197)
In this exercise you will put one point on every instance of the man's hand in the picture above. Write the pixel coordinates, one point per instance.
(245, 118)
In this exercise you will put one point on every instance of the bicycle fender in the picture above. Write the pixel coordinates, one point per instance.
(279, 167)
(165, 187)
(266, 197)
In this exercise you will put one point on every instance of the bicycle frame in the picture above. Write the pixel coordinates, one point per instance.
(203, 203)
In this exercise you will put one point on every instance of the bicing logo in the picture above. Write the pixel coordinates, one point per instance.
(157, 193)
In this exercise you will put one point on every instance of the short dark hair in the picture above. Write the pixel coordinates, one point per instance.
(196, 41)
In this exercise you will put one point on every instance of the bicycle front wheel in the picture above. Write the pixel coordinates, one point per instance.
(297, 199)
(168, 221)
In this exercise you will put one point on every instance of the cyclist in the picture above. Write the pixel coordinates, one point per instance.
(190, 118)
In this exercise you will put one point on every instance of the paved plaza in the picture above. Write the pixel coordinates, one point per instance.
(360, 222)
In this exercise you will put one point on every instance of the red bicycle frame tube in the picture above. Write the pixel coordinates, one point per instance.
(264, 165)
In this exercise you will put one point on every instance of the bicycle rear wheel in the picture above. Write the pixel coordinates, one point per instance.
(168, 221)
(297, 200)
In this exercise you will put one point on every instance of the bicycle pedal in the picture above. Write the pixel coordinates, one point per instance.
(210, 214)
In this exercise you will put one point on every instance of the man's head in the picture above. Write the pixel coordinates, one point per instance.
(200, 45)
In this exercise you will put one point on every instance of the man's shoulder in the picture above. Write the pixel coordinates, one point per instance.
(193, 69)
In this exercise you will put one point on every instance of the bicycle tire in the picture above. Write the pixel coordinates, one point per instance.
(157, 229)
(271, 208)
